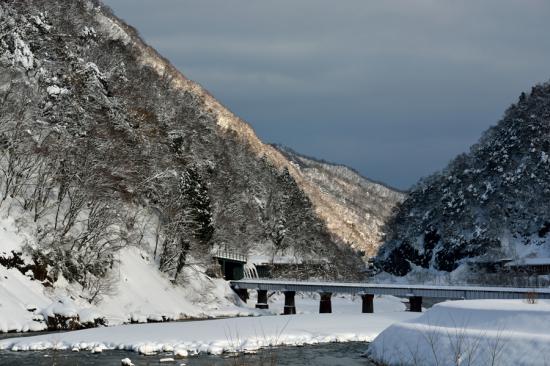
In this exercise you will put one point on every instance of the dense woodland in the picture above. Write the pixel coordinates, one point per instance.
(488, 204)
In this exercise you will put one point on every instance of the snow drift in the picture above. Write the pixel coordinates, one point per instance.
(472, 332)
(228, 335)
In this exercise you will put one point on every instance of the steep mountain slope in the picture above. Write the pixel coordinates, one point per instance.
(350, 231)
(105, 147)
(354, 208)
(134, 292)
(490, 203)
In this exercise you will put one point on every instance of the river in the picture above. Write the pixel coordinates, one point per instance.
(331, 354)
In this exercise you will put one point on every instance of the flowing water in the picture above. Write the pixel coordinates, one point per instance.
(331, 354)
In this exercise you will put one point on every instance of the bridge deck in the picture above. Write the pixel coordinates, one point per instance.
(230, 256)
(447, 292)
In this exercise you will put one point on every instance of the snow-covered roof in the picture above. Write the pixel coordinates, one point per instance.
(529, 262)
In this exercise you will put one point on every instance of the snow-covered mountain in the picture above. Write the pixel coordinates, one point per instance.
(355, 208)
(110, 157)
(489, 204)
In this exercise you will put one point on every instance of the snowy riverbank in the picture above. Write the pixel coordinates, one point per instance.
(474, 333)
(218, 336)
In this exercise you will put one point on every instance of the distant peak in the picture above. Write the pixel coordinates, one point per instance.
(298, 158)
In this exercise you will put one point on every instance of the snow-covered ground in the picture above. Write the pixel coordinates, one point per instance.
(229, 335)
(145, 294)
(18, 294)
(140, 292)
(473, 332)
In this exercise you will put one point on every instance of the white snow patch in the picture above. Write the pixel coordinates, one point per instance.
(22, 53)
(88, 32)
(63, 307)
(126, 362)
(112, 29)
(17, 293)
(55, 91)
(143, 293)
(40, 22)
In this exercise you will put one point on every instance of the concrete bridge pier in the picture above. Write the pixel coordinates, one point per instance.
(290, 305)
(415, 304)
(368, 303)
(262, 300)
(242, 293)
(325, 305)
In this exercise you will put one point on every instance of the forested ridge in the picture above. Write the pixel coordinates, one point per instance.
(99, 151)
(488, 204)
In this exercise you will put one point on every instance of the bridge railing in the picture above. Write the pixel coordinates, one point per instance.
(230, 255)
(400, 290)
(370, 282)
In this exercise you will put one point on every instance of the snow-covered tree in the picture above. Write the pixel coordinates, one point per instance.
(487, 204)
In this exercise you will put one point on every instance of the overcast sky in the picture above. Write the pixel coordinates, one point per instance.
(394, 89)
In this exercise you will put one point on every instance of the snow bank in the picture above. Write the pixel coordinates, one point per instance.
(140, 292)
(144, 294)
(19, 297)
(218, 336)
(470, 332)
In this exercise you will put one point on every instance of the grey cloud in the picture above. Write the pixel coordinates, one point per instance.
(393, 88)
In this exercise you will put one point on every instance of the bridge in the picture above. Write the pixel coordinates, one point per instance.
(233, 264)
(367, 291)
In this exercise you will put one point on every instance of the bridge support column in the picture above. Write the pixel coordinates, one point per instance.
(415, 304)
(325, 305)
(290, 305)
(368, 303)
(262, 300)
(241, 292)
